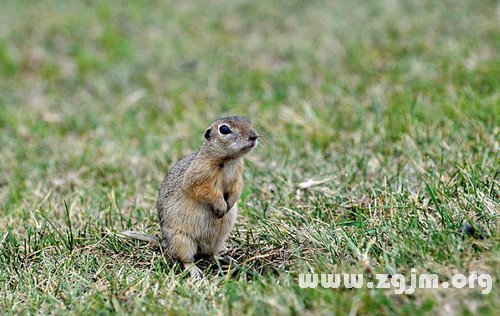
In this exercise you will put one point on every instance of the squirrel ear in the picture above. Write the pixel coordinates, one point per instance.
(207, 134)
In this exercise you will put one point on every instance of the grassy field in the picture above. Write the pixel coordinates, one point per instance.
(393, 106)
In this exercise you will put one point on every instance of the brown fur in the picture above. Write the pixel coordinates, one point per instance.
(197, 200)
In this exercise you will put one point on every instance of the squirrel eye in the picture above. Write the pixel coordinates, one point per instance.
(224, 130)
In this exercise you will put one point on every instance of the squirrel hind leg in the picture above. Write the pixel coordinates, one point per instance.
(194, 272)
(184, 249)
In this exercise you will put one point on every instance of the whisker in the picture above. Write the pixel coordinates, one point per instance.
(266, 140)
(266, 145)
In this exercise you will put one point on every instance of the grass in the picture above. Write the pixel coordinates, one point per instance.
(393, 105)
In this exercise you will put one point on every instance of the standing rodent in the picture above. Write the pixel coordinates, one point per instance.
(197, 200)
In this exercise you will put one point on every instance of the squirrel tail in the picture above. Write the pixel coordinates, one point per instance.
(153, 239)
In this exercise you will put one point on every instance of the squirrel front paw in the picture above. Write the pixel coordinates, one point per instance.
(231, 201)
(220, 208)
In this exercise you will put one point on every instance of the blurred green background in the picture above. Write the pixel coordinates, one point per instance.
(392, 105)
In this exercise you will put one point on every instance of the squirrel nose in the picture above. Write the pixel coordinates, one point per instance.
(252, 136)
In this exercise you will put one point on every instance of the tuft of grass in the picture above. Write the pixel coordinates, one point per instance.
(390, 108)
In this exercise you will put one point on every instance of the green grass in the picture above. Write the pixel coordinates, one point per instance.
(394, 104)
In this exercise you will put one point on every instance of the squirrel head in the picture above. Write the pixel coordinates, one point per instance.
(230, 137)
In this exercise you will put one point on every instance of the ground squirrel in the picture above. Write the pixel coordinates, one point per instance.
(197, 200)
